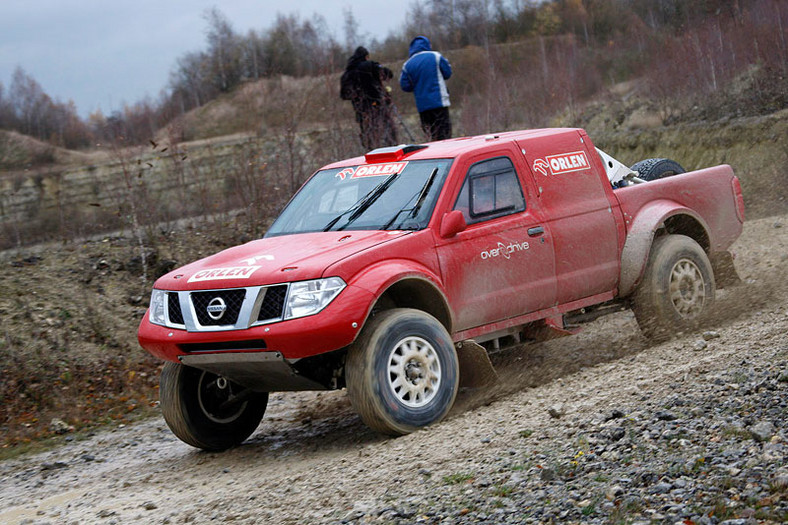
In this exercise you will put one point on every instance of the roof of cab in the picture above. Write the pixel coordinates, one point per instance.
(445, 149)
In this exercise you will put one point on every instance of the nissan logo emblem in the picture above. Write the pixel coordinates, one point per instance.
(216, 308)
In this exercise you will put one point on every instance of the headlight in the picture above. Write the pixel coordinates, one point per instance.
(158, 307)
(309, 297)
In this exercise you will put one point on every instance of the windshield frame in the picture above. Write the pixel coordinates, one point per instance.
(366, 197)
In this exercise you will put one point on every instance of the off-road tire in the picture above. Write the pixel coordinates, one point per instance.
(654, 169)
(191, 404)
(677, 289)
(402, 372)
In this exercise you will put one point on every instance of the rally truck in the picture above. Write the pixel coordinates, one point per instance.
(393, 274)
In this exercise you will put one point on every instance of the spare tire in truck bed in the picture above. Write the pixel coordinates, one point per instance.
(653, 169)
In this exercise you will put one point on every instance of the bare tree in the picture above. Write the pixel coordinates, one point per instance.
(224, 51)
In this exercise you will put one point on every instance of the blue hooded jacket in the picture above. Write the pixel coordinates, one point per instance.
(425, 74)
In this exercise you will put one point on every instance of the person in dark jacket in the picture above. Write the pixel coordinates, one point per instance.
(362, 84)
(425, 74)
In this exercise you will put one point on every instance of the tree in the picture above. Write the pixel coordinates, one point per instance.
(224, 51)
(351, 29)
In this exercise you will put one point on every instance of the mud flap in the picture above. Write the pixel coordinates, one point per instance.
(476, 369)
(725, 274)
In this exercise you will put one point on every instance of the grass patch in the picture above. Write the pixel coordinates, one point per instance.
(456, 479)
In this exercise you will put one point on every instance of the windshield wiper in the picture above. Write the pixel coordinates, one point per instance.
(362, 204)
(414, 211)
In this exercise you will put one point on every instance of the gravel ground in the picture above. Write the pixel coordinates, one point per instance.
(601, 427)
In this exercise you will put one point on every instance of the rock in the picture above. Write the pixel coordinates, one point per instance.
(556, 411)
(614, 492)
(58, 426)
(780, 481)
(149, 505)
(548, 474)
(763, 431)
(700, 345)
(53, 466)
(664, 415)
(615, 434)
(711, 334)
(661, 488)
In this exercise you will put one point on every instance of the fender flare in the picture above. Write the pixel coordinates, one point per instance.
(383, 275)
(640, 236)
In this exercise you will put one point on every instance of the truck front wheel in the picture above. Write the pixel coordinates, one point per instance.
(208, 411)
(677, 287)
(402, 371)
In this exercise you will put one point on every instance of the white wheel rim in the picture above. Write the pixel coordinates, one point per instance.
(414, 372)
(687, 289)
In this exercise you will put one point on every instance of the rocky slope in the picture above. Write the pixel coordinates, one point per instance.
(602, 427)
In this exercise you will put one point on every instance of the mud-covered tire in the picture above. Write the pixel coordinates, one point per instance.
(654, 169)
(402, 372)
(195, 406)
(677, 288)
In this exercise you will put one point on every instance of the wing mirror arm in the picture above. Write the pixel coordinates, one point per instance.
(452, 224)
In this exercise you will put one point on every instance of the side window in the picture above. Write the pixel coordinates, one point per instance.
(491, 189)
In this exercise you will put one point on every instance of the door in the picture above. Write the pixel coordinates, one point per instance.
(581, 218)
(502, 264)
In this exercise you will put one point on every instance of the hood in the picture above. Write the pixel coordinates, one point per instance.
(273, 260)
(419, 44)
(359, 55)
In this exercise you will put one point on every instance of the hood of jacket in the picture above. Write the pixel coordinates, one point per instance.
(419, 44)
(359, 55)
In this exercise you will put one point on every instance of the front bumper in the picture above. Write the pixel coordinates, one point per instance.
(333, 328)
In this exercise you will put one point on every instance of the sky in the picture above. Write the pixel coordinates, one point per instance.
(104, 53)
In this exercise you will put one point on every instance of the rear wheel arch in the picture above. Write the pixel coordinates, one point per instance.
(665, 218)
(689, 226)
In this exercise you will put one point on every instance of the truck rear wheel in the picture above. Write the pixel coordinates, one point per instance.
(402, 371)
(208, 411)
(654, 169)
(677, 287)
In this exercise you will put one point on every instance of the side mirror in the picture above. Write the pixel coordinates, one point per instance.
(452, 224)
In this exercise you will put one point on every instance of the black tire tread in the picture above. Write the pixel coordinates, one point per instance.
(173, 407)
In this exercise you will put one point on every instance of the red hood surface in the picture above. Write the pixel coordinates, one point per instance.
(273, 260)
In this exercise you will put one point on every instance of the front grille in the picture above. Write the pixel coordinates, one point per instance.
(174, 308)
(232, 300)
(273, 303)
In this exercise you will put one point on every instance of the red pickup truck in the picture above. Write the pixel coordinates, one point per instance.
(385, 274)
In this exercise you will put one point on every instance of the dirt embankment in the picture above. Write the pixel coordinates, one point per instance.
(600, 427)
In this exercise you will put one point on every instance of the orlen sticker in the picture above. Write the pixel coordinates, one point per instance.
(563, 163)
(215, 274)
(372, 170)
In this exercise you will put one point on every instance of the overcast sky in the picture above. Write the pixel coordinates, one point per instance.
(102, 53)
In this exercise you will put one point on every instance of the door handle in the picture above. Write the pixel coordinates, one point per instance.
(535, 231)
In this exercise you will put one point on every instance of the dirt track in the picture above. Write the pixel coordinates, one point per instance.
(313, 461)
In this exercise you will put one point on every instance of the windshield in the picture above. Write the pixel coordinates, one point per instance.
(392, 196)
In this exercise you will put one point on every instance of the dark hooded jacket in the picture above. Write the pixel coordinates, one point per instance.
(425, 74)
(362, 81)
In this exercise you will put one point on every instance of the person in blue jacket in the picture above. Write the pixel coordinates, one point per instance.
(425, 74)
